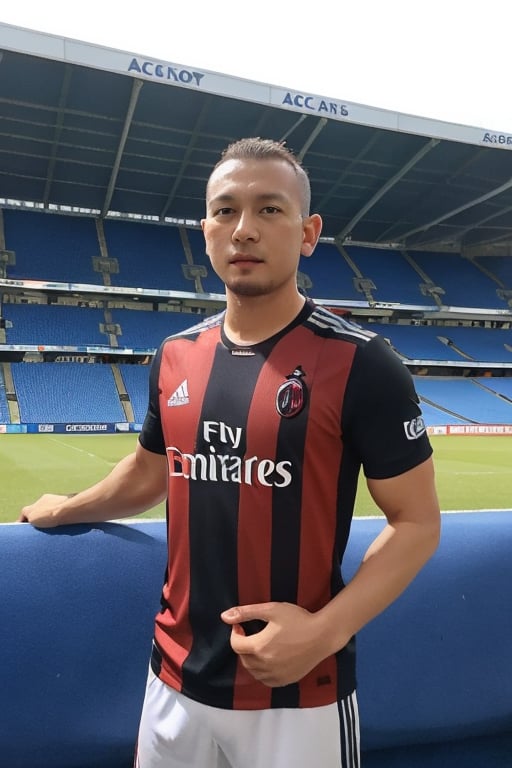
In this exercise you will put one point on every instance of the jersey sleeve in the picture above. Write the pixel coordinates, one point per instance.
(382, 418)
(151, 436)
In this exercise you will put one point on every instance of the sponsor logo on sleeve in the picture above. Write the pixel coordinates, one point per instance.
(414, 428)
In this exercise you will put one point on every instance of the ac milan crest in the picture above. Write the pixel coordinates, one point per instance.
(292, 394)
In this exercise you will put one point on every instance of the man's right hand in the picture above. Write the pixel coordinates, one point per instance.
(43, 512)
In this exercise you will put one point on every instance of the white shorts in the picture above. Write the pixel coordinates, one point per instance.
(177, 732)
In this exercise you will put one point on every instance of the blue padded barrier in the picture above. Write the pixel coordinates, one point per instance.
(76, 616)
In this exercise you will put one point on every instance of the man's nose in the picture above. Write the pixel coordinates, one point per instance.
(246, 228)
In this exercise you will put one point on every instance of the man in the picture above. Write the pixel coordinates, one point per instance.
(258, 423)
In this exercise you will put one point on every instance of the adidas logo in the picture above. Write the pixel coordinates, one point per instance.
(180, 395)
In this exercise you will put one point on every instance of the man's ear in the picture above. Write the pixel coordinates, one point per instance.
(312, 227)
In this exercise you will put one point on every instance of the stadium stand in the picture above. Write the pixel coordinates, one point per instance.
(54, 324)
(329, 275)
(483, 344)
(446, 343)
(433, 686)
(51, 247)
(148, 329)
(394, 278)
(465, 398)
(464, 285)
(435, 415)
(66, 392)
(502, 386)
(500, 268)
(146, 255)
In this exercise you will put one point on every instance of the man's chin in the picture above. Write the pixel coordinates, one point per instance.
(247, 289)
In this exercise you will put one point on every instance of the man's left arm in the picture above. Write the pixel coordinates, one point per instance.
(294, 640)
(409, 539)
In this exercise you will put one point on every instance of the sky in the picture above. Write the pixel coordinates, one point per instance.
(442, 59)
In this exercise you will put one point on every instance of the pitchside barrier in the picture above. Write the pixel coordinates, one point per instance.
(76, 614)
(104, 428)
(74, 428)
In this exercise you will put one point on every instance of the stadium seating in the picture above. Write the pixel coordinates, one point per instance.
(465, 398)
(44, 324)
(419, 342)
(463, 283)
(394, 278)
(330, 275)
(147, 330)
(51, 247)
(447, 343)
(499, 266)
(502, 385)
(148, 255)
(66, 392)
(483, 344)
(77, 608)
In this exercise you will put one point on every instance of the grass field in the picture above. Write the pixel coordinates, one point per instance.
(472, 472)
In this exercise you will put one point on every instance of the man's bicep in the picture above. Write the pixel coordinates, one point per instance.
(153, 467)
(408, 497)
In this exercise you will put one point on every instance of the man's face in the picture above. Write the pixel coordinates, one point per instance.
(254, 228)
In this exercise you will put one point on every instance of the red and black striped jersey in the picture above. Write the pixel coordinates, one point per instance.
(264, 447)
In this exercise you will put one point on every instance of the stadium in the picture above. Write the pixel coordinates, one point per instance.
(104, 160)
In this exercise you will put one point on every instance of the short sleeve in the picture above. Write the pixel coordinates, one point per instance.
(382, 419)
(151, 436)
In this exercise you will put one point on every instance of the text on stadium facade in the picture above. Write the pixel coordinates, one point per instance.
(166, 72)
(315, 104)
(497, 138)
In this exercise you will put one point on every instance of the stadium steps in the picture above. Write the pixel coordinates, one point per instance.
(191, 271)
(427, 288)
(124, 398)
(10, 392)
(362, 285)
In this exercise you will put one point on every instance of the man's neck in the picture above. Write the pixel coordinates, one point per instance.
(250, 320)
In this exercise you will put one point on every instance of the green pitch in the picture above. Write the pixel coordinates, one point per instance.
(472, 472)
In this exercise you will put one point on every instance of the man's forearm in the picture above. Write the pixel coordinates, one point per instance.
(388, 567)
(137, 483)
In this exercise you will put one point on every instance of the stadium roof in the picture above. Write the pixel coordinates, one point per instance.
(110, 131)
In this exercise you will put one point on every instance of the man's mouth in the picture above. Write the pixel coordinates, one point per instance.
(241, 258)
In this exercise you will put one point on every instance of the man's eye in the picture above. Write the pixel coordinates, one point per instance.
(223, 211)
(271, 209)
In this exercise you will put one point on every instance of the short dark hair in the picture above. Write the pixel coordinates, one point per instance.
(267, 149)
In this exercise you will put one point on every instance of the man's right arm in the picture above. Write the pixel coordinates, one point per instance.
(137, 483)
